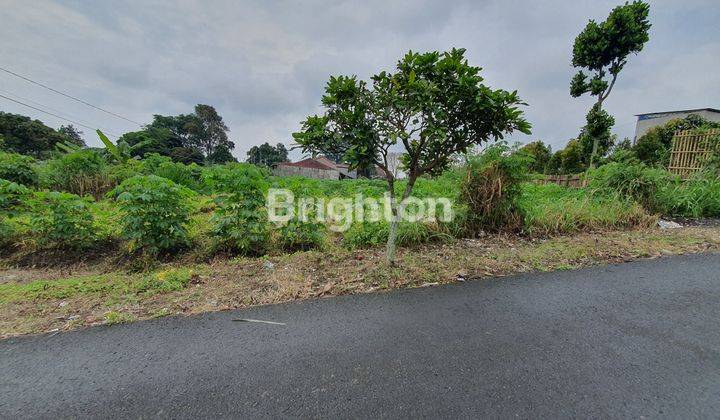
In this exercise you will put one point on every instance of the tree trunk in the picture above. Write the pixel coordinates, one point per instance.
(396, 210)
(596, 141)
(392, 234)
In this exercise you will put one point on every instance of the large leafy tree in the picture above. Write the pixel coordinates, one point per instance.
(26, 136)
(73, 134)
(433, 105)
(203, 130)
(153, 139)
(540, 153)
(602, 49)
(209, 134)
(267, 155)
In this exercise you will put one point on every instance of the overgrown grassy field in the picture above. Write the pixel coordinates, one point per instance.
(85, 240)
(34, 300)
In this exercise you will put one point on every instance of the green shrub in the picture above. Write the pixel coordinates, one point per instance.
(186, 175)
(303, 232)
(12, 196)
(630, 181)
(216, 178)
(491, 187)
(154, 213)
(80, 172)
(18, 168)
(698, 196)
(12, 199)
(240, 219)
(62, 220)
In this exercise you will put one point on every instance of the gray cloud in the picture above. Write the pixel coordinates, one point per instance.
(263, 64)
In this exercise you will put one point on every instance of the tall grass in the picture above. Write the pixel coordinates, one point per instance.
(552, 209)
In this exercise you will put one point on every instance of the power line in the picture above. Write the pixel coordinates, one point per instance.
(61, 113)
(50, 113)
(69, 96)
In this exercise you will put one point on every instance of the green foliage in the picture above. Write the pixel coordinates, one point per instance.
(187, 175)
(370, 234)
(155, 213)
(186, 155)
(631, 181)
(73, 135)
(551, 209)
(596, 134)
(434, 105)
(240, 219)
(62, 220)
(26, 136)
(540, 154)
(81, 172)
(606, 45)
(302, 232)
(12, 196)
(203, 130)
(654, 147)
(568, 160)
(267, 155)
(18, 168)
(152, 140)
(122, 151)
(112, 286)
(696, 197)
(491, 187)
(602, 48)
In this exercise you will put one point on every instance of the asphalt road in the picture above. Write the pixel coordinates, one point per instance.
(637, 339)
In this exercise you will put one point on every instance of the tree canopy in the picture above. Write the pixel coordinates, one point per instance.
(26, 136)
(74, 135)
(267, 155)
(541, 154)
(434, 105)
(200, 136)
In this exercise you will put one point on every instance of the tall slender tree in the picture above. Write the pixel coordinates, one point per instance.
(603, 49)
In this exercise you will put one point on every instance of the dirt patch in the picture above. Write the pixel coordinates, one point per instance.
(88, 296)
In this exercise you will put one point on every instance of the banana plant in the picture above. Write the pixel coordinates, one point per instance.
(122, 152)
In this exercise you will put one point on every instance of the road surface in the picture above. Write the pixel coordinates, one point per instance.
(631, 340)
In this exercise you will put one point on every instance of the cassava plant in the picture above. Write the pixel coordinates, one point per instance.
(62, 220)
(240, 220)
(155, 213)
(433, 105)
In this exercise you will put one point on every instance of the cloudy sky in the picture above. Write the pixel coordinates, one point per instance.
(263, 63)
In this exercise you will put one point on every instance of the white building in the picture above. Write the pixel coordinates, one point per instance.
(653, 119)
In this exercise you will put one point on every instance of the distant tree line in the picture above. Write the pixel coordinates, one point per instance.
(200, 137)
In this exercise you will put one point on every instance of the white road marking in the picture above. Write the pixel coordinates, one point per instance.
(259, 321)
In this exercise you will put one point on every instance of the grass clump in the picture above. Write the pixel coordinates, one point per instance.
(552, 209)
(491, 187)
(113, 286)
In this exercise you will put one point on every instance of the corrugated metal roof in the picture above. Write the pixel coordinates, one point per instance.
(316, 163)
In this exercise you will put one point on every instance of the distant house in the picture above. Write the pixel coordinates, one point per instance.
(647, 121)
(317, 167)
